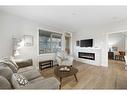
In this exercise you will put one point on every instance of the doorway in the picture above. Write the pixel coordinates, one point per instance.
(67, 44)
(117, 47)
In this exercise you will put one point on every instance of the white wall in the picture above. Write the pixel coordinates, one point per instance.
(117, 40)
(12, 25)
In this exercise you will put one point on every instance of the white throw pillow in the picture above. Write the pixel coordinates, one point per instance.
(19, 80)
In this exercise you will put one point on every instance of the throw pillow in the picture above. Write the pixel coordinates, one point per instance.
(10, 64)
(12, 67)
(13, 61)
(19, 80)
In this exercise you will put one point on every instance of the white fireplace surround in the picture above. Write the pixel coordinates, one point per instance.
(97, 52)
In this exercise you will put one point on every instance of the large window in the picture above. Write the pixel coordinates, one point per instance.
(49, 42)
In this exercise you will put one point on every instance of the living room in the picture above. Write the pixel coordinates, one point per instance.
(34, 35)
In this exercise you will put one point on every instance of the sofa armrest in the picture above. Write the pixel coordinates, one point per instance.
(49, 83)
(24, 63)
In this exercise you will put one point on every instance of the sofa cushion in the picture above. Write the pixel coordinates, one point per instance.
(29, 72)
(37, 79)
(4, 83)
(19, 80)
(49, 83)
(25, 69)
(6, 72)
(10, 63)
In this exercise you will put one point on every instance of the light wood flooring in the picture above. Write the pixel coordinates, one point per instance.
(94, 77)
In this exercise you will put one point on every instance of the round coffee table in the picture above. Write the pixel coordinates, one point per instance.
(63, 74)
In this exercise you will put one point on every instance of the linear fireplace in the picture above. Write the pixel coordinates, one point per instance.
(85, 55)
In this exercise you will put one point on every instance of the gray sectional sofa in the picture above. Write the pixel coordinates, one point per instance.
(23, 75)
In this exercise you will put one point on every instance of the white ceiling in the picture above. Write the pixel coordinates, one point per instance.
(70, 18)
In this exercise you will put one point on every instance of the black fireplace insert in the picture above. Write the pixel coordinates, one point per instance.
(86, 55)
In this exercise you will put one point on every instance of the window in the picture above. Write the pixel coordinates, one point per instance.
(49, 42)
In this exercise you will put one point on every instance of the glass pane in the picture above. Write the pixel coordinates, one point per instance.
(56, 42)
(44, 42)
(49, 42)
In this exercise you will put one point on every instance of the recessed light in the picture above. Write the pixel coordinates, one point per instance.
(115, 18)
(74, 14)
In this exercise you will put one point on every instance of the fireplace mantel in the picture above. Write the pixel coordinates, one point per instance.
(95, 51)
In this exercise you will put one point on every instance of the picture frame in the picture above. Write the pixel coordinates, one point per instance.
(28, 40)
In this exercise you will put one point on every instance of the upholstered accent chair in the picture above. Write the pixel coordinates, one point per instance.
(63, 59)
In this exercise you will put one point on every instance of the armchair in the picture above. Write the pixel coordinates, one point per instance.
(63, 59)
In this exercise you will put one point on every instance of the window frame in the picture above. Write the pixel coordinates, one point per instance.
(51, 48)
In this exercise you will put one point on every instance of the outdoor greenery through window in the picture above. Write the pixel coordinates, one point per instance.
(49, 42)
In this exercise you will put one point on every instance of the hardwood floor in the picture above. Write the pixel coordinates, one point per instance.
(94, 77)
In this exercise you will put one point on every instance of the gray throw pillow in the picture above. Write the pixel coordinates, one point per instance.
(13, 68)
(19, 80)
(4, 83)
(10, 64)
(12, 60)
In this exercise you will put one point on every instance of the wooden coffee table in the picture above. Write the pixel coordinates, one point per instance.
(63, 74)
